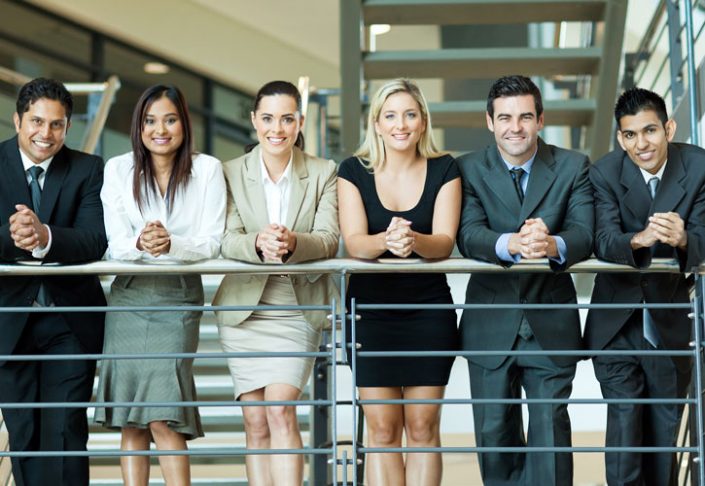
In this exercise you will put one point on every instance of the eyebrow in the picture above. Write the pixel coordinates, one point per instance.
(285, 114)
(148, 115)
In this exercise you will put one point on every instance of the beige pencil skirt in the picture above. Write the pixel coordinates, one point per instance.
(271, 331)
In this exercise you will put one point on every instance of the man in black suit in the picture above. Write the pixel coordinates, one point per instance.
(649, 202)
(50, 211)
(523, 199)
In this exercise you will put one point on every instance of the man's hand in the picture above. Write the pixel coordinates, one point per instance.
(26, 230)
(666, 228)
(274, 242)
(533, 241)
(669, 229)
(154, 239)
(400, 239)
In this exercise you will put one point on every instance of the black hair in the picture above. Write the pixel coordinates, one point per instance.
(515, 85)
(40, 88)
(634, 100)
(273, 88)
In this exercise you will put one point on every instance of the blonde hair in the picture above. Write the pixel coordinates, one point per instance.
(371, 152)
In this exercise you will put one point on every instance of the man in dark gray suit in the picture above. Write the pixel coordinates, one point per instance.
(649, 202)
(523, 199)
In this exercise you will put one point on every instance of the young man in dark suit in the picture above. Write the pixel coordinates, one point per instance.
(50, 211)
(523, 199)
(649, 202)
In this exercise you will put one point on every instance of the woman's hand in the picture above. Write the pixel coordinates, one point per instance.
(274, 242)
(400, 239)
(154, 239)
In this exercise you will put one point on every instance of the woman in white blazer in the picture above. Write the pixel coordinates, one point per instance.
(282, 207)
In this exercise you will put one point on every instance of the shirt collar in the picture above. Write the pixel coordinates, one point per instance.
(285, 176)
(27, 162)
(526, 165)
(648, 175)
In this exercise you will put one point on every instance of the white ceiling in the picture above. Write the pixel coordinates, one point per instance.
(310, 25)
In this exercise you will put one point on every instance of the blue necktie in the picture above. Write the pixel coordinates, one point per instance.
(517, 173)
(650, 331)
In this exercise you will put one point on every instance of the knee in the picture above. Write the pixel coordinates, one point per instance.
(160, 430)
(256, 426)
(422, 430)
(384, 433)
(282, 418)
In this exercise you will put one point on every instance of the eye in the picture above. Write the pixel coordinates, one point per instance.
(412, 115)
(149, 121)
(389, 116)
(57, 125)
(37, 122)
(628, 135)
(172, 120)
(289, 120)
(267, 119)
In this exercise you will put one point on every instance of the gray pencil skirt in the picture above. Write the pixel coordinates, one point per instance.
(151, 380)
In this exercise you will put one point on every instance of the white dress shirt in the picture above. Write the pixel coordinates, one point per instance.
(648, 175)
(195, 223)
(277, 194)
(38, 252)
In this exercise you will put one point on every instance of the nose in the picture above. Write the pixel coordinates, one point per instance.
(45, 130)
(161, 127)
(641, 141)
(514, 125)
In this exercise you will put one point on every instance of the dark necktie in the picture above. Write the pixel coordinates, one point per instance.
(653, 186)
(34, 188)
(517, 173)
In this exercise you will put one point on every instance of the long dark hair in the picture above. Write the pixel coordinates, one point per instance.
(144, 169)
(273, 88)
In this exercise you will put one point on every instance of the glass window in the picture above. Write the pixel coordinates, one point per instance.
(232, 106)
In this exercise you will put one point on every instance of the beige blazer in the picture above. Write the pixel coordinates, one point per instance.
(312, 215)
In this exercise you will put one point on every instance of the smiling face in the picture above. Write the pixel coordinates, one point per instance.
(41, 130)
(400, 123)
(516, 127)
(162, 129)
(645, 139)
(277, 122)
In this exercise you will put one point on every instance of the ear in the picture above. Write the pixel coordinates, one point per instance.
(670, 129)
(620, 140)
(302, 120)
(18, 122)
(539, 122)
(252, 119)
(490, 124)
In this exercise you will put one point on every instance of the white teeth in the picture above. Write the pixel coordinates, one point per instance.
(276, 140)
(42, 144)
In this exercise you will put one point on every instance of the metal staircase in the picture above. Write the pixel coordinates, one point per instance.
(595, 65)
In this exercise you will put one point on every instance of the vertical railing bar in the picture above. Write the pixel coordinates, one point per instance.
(334, 394)
(697, 324)
(692, 75)
(353, 367)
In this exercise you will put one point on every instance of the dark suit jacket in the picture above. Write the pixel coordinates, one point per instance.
(72, 209)
(623, 206)
(559, 192)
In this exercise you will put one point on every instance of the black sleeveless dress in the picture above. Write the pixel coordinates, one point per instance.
(402, 330)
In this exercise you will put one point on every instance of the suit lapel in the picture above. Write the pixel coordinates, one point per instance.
(298, 185)
(499, 180)
(636, 197)
(540, 181)
(53, 183)
(14, 178)
(670, 190)
(255, 190)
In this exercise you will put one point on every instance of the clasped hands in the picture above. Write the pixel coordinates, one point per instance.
(154, 239)
(533, 240)
(26, 230)
(399, 238)
(667, 228)
(274, 242)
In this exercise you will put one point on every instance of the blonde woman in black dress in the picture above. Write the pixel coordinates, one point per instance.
(399, 197)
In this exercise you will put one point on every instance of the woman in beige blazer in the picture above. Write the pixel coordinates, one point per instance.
(282, 207)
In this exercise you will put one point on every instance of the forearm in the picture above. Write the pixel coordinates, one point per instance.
(366, 246)
(433, 246)
(240, 246)
(314, 246)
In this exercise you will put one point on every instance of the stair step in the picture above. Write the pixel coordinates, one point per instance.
(447, 12)
(476, 63)
(471, 114)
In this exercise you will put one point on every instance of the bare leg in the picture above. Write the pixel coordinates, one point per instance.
(284, 429)
(175, 469)
(422, 427)
(257, 437)
(385, 424)
(134, 469)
